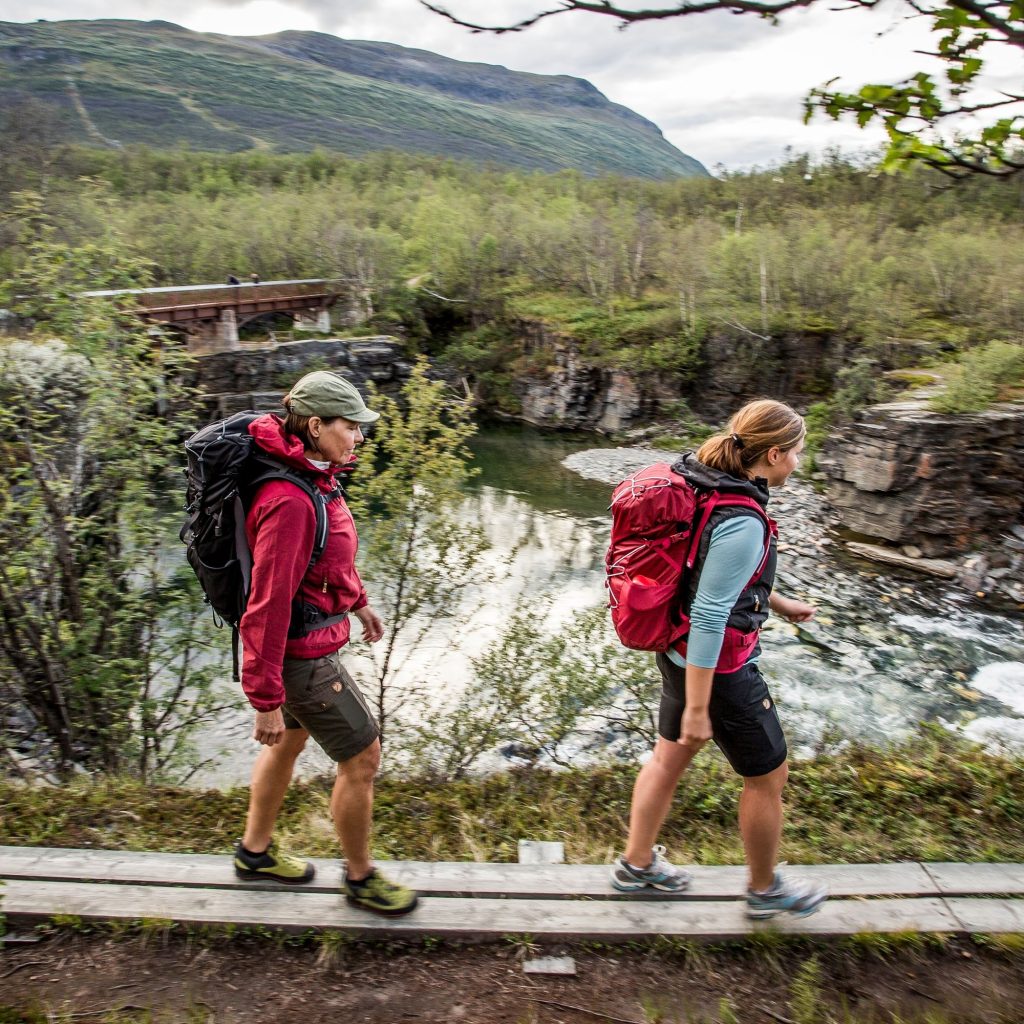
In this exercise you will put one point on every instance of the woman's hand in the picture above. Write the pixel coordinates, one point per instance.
(373, 627)
(268, 728)
(696, 728)
(791, 610)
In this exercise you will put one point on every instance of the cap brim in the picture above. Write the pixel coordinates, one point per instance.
(366, 416)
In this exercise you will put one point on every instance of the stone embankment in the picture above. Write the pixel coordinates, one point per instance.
(258, 376)
(936, 485)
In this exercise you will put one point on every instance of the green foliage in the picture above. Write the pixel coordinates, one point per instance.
(926, 116)
(980, 377)
(644, 335)
(333, 945)
(417, 551)
(470, 264)
(858, 805)
(98, 642)
(805, 994)
(535, 691)
(488, 354)
(818, 419)
(727, 1012)
(859, 385)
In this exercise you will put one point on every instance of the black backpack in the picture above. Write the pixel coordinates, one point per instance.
(225, 468)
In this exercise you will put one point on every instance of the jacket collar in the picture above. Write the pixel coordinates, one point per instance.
(268, 433)
(702, 477)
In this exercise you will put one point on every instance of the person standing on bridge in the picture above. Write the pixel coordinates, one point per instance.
(711, 688)
(299, 687)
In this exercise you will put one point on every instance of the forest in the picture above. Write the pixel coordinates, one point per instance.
(454, 256)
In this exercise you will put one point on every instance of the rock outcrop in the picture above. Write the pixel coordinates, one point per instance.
(566, 390)
(257, 377)
(795, 367)
(573, 396)
(939, 483)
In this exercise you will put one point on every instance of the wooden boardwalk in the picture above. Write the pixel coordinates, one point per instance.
(487, 901)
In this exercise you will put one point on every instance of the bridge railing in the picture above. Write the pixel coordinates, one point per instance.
(187, 295)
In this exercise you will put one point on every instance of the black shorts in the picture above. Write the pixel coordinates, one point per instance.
(322, 698)
(744, 722)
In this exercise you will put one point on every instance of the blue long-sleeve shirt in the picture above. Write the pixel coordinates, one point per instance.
(735, 552)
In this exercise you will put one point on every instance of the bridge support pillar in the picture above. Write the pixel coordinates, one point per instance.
(226, 330)
(316, 321)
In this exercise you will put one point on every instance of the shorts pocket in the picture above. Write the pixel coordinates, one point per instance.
(316, 688)
(747, 726)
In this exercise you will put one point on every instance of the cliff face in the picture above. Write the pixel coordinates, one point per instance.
(797, 367)
(257, 378)
(571, 392)
(940, 483)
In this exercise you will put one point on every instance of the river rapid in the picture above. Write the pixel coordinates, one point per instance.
(885, 652)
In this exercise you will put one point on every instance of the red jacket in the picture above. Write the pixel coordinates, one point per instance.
(280, 527)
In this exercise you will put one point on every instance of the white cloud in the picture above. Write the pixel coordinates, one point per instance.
(255, 17)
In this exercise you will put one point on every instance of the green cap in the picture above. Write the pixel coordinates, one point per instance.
(325, 393)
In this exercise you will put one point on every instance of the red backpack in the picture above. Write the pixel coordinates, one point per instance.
(657, 522)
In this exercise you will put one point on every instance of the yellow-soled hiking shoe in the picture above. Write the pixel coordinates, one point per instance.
(273, 864)
(380, 895)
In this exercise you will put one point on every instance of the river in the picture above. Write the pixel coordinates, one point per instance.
(885, 652)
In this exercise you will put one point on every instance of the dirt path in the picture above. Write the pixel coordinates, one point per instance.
(196, 979)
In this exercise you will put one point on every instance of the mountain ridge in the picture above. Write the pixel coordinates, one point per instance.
(161, 84)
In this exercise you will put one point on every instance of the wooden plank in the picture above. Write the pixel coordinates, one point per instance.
(977, 915)
(514, 881)
(977, 879)
(29, 901)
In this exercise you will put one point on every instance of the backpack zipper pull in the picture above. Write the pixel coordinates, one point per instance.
(324, 591)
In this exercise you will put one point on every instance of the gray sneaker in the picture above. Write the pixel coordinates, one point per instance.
(786, 896)
(660, 875)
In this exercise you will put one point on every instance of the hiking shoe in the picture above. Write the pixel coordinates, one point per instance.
(378, 894)
(786, 896)
(660, 875)
(274, 864)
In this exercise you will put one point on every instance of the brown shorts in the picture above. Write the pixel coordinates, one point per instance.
(322, 698)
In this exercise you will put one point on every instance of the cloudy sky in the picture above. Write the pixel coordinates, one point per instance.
(723, 88)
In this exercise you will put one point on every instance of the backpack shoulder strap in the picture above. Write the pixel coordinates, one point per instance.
(770, 528)
(271, 469)
(712, 500)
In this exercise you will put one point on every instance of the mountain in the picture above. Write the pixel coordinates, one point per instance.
(122, 82)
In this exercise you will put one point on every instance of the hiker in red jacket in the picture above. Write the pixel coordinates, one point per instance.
(296, 682)
(711, 686)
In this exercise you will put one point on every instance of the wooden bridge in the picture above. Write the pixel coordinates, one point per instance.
(211, 314)
(488, 901)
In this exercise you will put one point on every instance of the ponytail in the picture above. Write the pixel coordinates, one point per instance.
(752, 431)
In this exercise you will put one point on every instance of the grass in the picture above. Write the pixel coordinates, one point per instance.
(934, 797)
(982, 376)
(638, 334)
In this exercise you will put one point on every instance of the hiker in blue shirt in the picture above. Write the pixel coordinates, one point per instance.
(711, 686)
